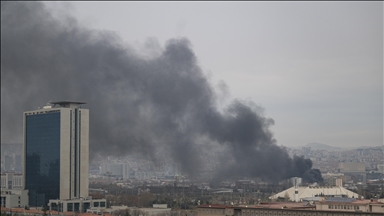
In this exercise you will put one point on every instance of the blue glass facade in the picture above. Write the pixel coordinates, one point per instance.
(42, 173)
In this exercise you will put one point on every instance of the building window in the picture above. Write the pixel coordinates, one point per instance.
(69, 206)
(86, 206)
(77, 207)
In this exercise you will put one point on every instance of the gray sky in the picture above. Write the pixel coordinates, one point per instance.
(315, 67)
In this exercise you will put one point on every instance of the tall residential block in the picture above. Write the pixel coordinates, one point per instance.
(56, 152)
(119, 170)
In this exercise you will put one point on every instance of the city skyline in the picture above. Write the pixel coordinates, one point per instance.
(143, 100)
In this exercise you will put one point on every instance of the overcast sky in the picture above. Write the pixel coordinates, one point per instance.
(315, 67)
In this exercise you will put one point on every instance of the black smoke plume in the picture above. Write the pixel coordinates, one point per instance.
(136, 103)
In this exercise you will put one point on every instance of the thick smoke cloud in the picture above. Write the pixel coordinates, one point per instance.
(136, 103)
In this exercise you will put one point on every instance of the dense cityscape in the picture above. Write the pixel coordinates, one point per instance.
(139, 182)
(191, 108)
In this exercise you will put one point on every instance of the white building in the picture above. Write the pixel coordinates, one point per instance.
(351, 167)
(13, 198)
(314, 191)
(354, 169)
(119, 170)
(11, 180)
(77, 205)
(350, 205)
(380, 167)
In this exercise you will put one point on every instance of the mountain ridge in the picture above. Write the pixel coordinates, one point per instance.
(322, 146)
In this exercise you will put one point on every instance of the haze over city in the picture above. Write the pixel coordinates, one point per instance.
(247, 77)
(192, 108)
(315, 67)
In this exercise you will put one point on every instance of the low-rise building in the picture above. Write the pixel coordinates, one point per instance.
(13, 198)
(351, 205)
(157, 209)
(380, 168)
(277, 209)
(315, 191)
(77, 205)
(41, 212)
(112, 209)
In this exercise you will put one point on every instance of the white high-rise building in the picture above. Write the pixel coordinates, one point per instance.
(119, 170)
(56, 152)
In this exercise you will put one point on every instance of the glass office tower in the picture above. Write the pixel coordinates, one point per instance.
(43, 157)
(56, 152)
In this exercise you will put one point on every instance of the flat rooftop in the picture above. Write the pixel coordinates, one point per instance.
(272, 205)
(67, 102)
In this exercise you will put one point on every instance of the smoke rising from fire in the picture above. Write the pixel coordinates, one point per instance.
(136, 103)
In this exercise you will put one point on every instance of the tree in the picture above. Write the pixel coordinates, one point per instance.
(44, 209)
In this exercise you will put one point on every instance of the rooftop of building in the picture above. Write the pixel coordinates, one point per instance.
(39, 212)
(215, 206)
(272, 205)
(11, 172)
(67, 102)
(12, 191)
(351, 200)
(64, 104)
(289, 206)
(313, 191)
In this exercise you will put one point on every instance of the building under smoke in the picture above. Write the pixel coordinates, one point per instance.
(56, 152)
(356, 170)
(116, 170)
(304, 192)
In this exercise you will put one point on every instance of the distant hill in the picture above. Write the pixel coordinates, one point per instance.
(321, 146)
